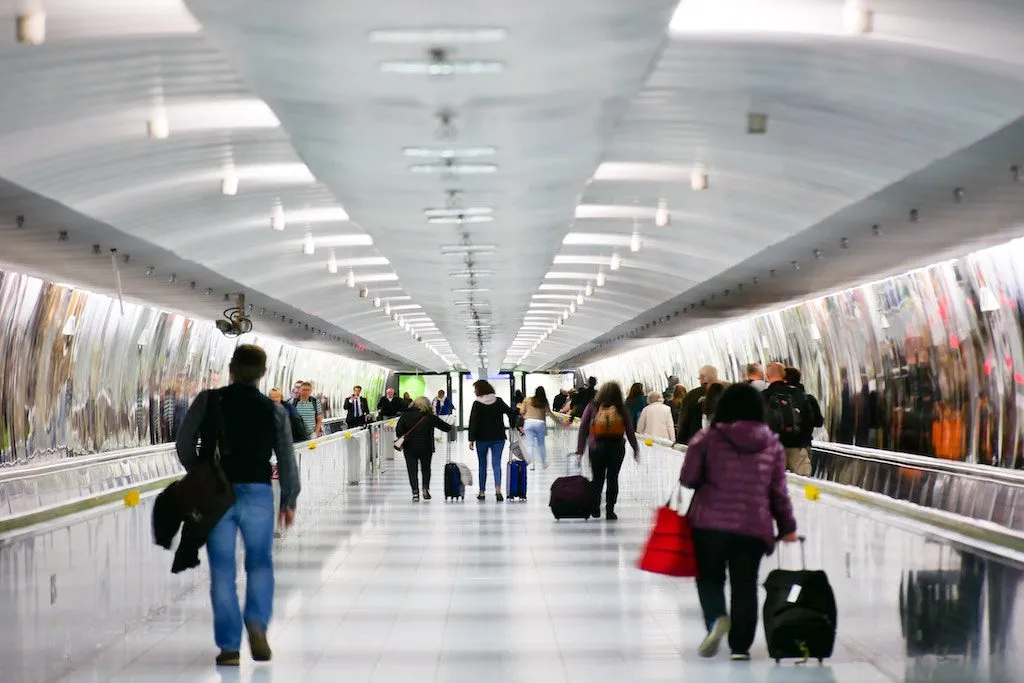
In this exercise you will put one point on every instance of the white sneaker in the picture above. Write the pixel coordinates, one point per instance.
(710, 644)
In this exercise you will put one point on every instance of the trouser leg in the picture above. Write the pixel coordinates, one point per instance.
(744, 558)
(410, 466)
(256, 523)
(425, 460)
(220, 549)
(615, 460)
(709, 551)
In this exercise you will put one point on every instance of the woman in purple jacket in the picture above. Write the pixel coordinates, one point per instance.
(738, 468)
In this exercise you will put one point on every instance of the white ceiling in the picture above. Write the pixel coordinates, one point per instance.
(291, 95)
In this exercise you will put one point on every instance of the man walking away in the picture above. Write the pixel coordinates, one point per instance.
(254, 429)
(814, 417)
(755, 376)
(691, 415)
(584, 397)
(789, 417)
(356, 408)
(670, 390)
(310, 410)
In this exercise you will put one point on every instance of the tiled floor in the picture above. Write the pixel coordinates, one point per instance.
(378, 588)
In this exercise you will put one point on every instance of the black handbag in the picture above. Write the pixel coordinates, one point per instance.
(204, 494)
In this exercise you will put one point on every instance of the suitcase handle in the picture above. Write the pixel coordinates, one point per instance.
(803, 551)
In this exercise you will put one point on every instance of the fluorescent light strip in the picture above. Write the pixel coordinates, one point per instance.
(458, 211)
(459, 220)
(595, 239)
(463, 169)
(438, 35)
(378, 277)
(423, 67)
(364, 261)
(471, 273)
(449, 152)
(470, 290)
(466, 248)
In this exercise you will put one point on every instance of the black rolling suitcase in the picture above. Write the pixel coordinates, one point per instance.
(572, 496)
(454, 488)
(799, 613)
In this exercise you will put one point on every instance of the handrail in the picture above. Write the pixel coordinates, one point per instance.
(73, 463)
(995, 475)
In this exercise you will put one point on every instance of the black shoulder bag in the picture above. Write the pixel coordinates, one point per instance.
(204, 494)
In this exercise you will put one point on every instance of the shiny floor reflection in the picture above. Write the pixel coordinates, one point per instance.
(378, 588)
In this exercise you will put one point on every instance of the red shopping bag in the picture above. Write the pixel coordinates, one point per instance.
(669, 549)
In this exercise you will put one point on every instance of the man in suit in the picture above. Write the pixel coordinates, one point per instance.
(356, 408)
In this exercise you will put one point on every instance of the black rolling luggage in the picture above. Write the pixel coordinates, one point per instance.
(799, 613)
(572, 496)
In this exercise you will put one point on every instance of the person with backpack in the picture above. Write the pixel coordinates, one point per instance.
(789, 416)
(814, 417)
(310, 410)
(605, 427)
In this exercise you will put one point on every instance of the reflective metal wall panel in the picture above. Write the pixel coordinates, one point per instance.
(79, 375)
(930, 362)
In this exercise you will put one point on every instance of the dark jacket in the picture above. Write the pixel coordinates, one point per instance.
(418, 429)
(689, 421)
(810, 413)
(486, 422)
(581, 399)
(738, 470)
(558, 405)
(350, 417)
(167, 523)
(390, 407)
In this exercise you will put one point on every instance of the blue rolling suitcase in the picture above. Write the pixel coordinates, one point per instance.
(454, 486)
(517, 479)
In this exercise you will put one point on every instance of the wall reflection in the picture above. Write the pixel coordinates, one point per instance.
(77, 376)
(929, 362)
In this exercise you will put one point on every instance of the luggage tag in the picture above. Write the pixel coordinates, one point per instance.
(794, 593)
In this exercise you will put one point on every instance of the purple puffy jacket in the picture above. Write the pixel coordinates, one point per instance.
(738, 470)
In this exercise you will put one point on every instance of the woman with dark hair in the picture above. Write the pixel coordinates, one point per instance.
(487, 433)
(675, 402)
(636, 401)
(709, 403)
(604, 429)
(416, 426)
(536, 411)
(738, 468)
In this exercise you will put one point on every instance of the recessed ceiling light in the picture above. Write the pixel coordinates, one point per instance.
(449, 152)
(438, 36)
(429, 67)
(464, 169)
(459, 220)
(468, 248)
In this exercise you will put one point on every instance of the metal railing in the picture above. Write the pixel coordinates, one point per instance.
(30, 495)
(978, 501)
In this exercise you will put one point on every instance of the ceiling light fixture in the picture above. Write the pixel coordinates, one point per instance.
(308, 245)
(572, 308)
(698, 177)
(376, 302)
(387, 308)
(634, 242)
(857, 19)
(589, 291)
(332, 263)
(464, 169)
(364, 292)
(470, 290)
(229, 183)
(439, 35)
(455, 212)
(277, 217)
(661, 215)
(579, 299)
(158, 127)
(600, 278)
(471, 273)
(31, 28)
(616, 262)
(449, 152)
(483, 249)
(427, 67)
(350, 279)
(459, 220)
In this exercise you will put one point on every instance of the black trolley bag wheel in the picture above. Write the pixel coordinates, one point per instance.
(799, 613)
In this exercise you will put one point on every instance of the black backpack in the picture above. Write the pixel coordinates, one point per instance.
(785, 413)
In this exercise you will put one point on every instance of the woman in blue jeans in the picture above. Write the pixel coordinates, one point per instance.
(488, 433)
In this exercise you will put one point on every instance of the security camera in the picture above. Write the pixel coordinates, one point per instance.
(235, 323)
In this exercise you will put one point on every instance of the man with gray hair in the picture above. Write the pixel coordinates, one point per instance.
(755, 376)
(690, 413)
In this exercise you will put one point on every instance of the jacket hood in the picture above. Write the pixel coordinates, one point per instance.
(487, 399)
(743, 436)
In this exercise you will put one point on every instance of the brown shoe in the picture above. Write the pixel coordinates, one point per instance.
(226, 658)
(258, 643)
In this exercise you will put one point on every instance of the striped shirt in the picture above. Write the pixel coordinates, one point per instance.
(308, 410)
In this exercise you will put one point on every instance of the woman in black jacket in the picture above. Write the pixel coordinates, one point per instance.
(487, 433)
(417, 424)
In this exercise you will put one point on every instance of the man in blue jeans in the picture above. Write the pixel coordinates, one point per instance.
(253, 429)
